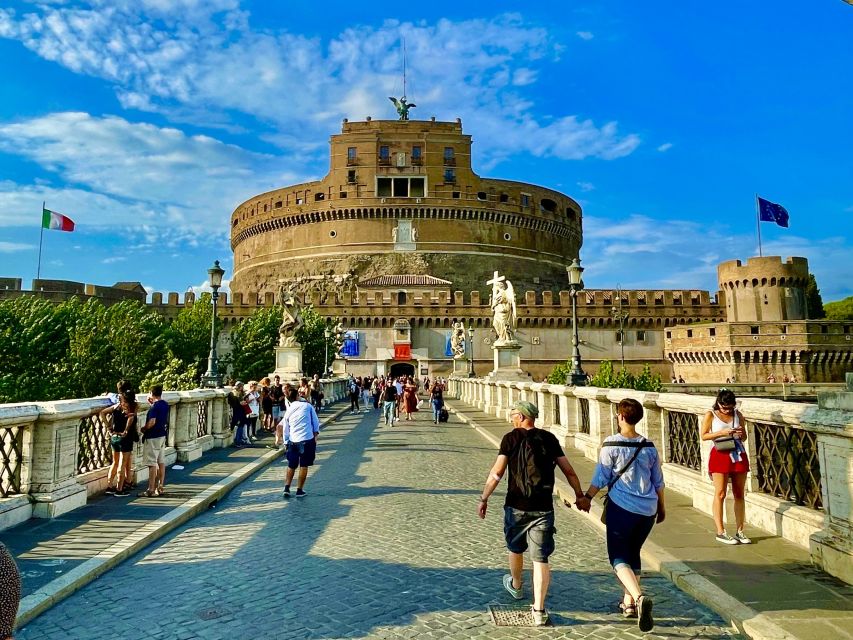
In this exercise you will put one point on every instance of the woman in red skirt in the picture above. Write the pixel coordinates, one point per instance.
(724, 426)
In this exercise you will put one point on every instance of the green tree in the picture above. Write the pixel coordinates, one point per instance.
(814, 302)
(312, 338)
(188, 337)
(174, 375)
(253, 345)
(840, 309)
(560, 373)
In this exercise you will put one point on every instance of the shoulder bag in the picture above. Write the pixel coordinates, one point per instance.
(639, 446)
(727, 444)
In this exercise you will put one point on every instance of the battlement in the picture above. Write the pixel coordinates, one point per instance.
(60, 290)
(401, 126)
(763, 271)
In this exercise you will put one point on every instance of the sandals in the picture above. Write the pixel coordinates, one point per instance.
(147, 494)
(628, 610)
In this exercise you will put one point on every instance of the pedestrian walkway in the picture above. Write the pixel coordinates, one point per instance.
(387, 544)
(769, 589)
(57, 556)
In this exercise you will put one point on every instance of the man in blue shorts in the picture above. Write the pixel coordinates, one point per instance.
(301, 427)
(531, 455)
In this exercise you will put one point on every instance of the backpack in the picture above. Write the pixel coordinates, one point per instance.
(530, 455)
(443, 415)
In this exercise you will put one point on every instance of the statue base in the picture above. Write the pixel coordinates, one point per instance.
(339, 367)
(460, 367)
(507, 360)
(288, 363)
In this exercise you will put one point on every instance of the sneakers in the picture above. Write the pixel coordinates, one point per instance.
(286, 493)
(518, 594)
(300, 493)
(741, 538)
(725, 538)
(110, 491)
(540, 618)
(644, 611)
(121, 493)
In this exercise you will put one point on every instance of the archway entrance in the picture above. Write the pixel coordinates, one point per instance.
(401, 369)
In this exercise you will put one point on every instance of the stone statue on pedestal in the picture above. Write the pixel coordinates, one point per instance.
(291, 315)
(504, 313)
(339, 337)
(457, 340)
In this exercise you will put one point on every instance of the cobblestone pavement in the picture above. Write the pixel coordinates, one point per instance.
(386, 545)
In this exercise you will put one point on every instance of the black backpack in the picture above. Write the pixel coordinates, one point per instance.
(526, 464)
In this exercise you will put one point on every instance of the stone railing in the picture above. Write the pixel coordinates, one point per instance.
(54, 455)
(799, 486)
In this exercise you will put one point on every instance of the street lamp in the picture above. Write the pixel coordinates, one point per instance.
(327, 333)
(575, 270)
(213, 378)
(620, 316)
(471, 373)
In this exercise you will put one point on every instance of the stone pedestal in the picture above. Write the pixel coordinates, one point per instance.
(832, 548)
(507, 359)
(288, 363)
(339, 367)
(460, 367)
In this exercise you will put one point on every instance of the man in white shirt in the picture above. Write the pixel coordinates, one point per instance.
(301, 427)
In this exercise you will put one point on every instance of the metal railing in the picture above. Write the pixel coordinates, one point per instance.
(201, 422)
(11, 447)
(94, 450)
(682, 439)
(787, 464)
(583, 415)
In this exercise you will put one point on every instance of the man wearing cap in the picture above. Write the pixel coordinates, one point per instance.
(531, 455)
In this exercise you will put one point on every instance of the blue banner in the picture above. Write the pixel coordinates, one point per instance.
(447, 350)
(350, 347)
(772, 212)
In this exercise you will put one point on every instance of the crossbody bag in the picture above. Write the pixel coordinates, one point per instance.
(639, 446)
(727, 444)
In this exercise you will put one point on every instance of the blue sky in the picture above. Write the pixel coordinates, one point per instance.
(147, 121)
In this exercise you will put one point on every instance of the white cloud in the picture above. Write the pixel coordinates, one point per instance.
(585, 35)
(198, 63)
(586, 186)
(13, 247)
(113, 259)
(666, 146)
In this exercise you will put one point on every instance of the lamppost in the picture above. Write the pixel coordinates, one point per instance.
(471, 373)
(575, 270)
(213, 378)
(620, 316)
(327, 333)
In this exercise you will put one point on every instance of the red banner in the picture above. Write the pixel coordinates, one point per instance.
(402, 352)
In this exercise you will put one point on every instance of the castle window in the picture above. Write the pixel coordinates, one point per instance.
(784, 328)
(824, 328)
(694, 299)
(482, 195)
(548, 205)
(401, 187)
(333, 233)
(618, 337)
(384, 155)
(641, 336)
(847, 328)
(417, 187)
(319, 196)
(351, 176)
(265, 208)
(417, 155)
(525, 199)
(456, 194)
(641, 298)
(343, 194)
(449, 156)
(659, 298)
(676, 298)
(236, 222)
(753, 330)
(278, 205)
(352, 156)
(712, 332)
(383, 187)
(450, 175)
(504, 197)
(690, 333)
(300, 201)
(507, 237)
(669, 335)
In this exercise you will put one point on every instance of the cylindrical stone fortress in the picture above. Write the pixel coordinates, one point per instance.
(401, 198)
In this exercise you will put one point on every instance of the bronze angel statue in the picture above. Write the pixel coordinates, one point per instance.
(402, 107)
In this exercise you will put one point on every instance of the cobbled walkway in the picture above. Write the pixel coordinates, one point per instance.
(387, 544)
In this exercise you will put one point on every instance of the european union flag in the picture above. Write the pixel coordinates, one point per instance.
(772, 212)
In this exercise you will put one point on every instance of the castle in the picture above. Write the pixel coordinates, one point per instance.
(399, 238)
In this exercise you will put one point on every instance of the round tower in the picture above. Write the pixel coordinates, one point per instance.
(401, 198)
(764, 289)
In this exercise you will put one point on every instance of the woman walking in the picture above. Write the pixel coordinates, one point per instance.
(239, 419)
(436, 399)
(253, 399)
(410, 398)
(629, 466)
(267, 403)
(724, 427)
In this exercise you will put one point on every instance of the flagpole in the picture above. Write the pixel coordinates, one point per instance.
(41, 237)
(758, 224)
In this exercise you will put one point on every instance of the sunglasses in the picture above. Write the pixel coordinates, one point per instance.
(727, 409)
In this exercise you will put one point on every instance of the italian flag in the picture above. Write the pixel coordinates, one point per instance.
(52, 220)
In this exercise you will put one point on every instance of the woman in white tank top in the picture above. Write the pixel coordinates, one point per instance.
(725, 424)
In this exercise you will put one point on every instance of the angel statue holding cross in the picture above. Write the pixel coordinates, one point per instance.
(504, 313)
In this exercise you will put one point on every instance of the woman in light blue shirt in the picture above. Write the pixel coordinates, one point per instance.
(630, 467)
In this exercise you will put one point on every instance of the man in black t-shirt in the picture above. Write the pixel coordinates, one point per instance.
(531, 455)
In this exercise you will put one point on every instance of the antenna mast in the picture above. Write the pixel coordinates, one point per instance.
(404, 68)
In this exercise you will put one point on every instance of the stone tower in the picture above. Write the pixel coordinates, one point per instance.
(764, 289)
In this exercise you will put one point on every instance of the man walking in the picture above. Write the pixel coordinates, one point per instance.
(154, 442)
(388, 398)
(531, 455)
(301, 427)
